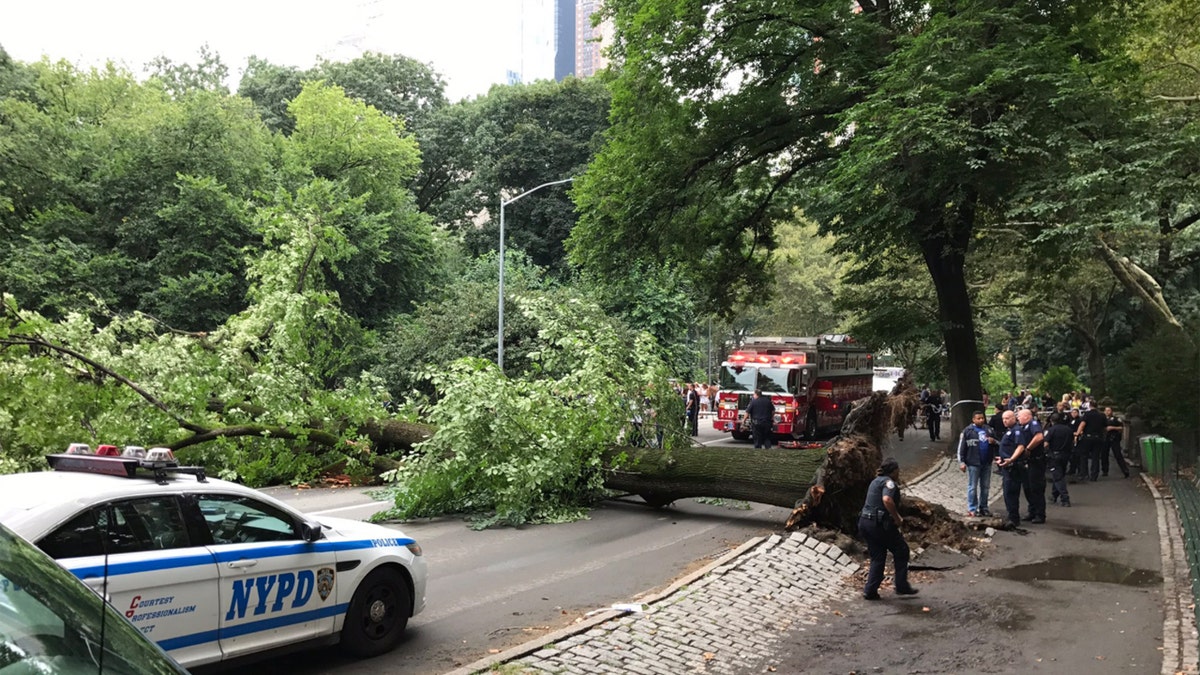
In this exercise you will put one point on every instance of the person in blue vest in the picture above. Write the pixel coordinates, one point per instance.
(879, 524)
(1011, 462)
(976, 452)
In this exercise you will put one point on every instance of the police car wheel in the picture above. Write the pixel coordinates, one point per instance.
(378, 614)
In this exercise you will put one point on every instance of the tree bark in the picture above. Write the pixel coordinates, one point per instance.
(944, 251)
(778, 477)
(825, 487)
(1143, 286)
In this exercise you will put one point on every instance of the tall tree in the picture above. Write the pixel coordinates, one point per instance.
(180, 79)
(529, 135)
(125, 196)
(895, 124)
(371, 158)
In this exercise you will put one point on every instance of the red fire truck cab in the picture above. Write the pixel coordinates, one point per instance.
(811, 380)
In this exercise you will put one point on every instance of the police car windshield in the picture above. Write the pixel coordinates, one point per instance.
(749, 378)
(51, 622)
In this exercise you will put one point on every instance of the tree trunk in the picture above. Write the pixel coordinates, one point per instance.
(1143, 286)
(778, 477)
(945, 256)
(825, 487)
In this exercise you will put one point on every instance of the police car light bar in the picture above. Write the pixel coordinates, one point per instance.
(160, 461)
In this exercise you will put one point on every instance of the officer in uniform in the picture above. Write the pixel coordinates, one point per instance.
(1059, 441)
(761, 412)
(1092, 432)
(1112, 438)
(1035, 466)
(1011, 461)
(879, 524)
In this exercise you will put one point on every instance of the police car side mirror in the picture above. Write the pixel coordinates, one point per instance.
(310, 531)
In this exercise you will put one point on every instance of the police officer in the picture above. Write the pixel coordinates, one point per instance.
(933, 414)
(879, 524)
(1035, 466)
(1011, 461)
(1112, 439)
(1059, 441)
(1092, 432)
(761, 412)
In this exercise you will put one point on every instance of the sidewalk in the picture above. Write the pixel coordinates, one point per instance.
(1104, 586)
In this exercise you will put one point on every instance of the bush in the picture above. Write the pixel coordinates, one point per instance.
(1160, 374)
(1057, 381)
(514, 450)
(996, 380)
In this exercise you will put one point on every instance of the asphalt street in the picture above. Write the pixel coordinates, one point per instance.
(1102, 587)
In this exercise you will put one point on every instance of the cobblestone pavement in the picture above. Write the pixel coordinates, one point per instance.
(724, 622)
(726, 618)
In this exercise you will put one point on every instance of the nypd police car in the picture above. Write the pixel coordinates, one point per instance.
(212, 570)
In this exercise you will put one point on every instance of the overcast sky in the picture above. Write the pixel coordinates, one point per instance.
(470, 42)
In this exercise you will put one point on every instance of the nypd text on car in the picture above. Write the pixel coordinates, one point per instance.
(212, 570)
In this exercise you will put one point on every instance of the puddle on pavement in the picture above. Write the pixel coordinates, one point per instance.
(1090, 533)
(1079, 568)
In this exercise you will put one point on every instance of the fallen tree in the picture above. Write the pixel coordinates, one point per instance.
(825, 487)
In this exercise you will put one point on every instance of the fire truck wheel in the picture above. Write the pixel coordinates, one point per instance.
(740, 435)
(810, 426)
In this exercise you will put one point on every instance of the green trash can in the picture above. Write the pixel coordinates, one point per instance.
(1150, 463)
(1166, 454)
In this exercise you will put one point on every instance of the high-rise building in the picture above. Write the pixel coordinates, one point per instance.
(537, 39)
(547, 39)
(590, 40)
(564, 39)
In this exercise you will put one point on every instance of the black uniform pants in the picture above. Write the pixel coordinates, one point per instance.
(883, 536)
(1113, 446)
(1035, 487)
(693, 422)
(1092, 446)
(1058, 478)
(761, 430)
(934, 421)
(1014, 481)
(1078, 465)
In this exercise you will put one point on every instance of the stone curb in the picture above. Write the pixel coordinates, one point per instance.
(493, 660)
(937, 467)
(1181, 644)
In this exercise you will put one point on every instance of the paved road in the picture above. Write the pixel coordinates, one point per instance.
(494, 589)
(1103, 587)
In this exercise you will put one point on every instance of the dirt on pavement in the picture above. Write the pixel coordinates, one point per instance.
(1079, 594)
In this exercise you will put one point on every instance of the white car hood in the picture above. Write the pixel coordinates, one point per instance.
(357, 528)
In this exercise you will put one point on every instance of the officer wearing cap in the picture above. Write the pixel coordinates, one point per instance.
(879, 524)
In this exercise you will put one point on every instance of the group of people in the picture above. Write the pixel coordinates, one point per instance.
(1074, 447)
(698, 399)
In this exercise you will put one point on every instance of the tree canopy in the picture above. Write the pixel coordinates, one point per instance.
(897, 126)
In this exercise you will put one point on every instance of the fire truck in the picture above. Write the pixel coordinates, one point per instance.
(811, 380)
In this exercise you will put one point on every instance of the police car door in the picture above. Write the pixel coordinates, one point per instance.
(275, 588)
(159, 573)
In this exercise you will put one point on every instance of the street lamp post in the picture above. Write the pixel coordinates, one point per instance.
(504, 203)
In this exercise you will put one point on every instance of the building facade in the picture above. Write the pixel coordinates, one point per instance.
(590, 41)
